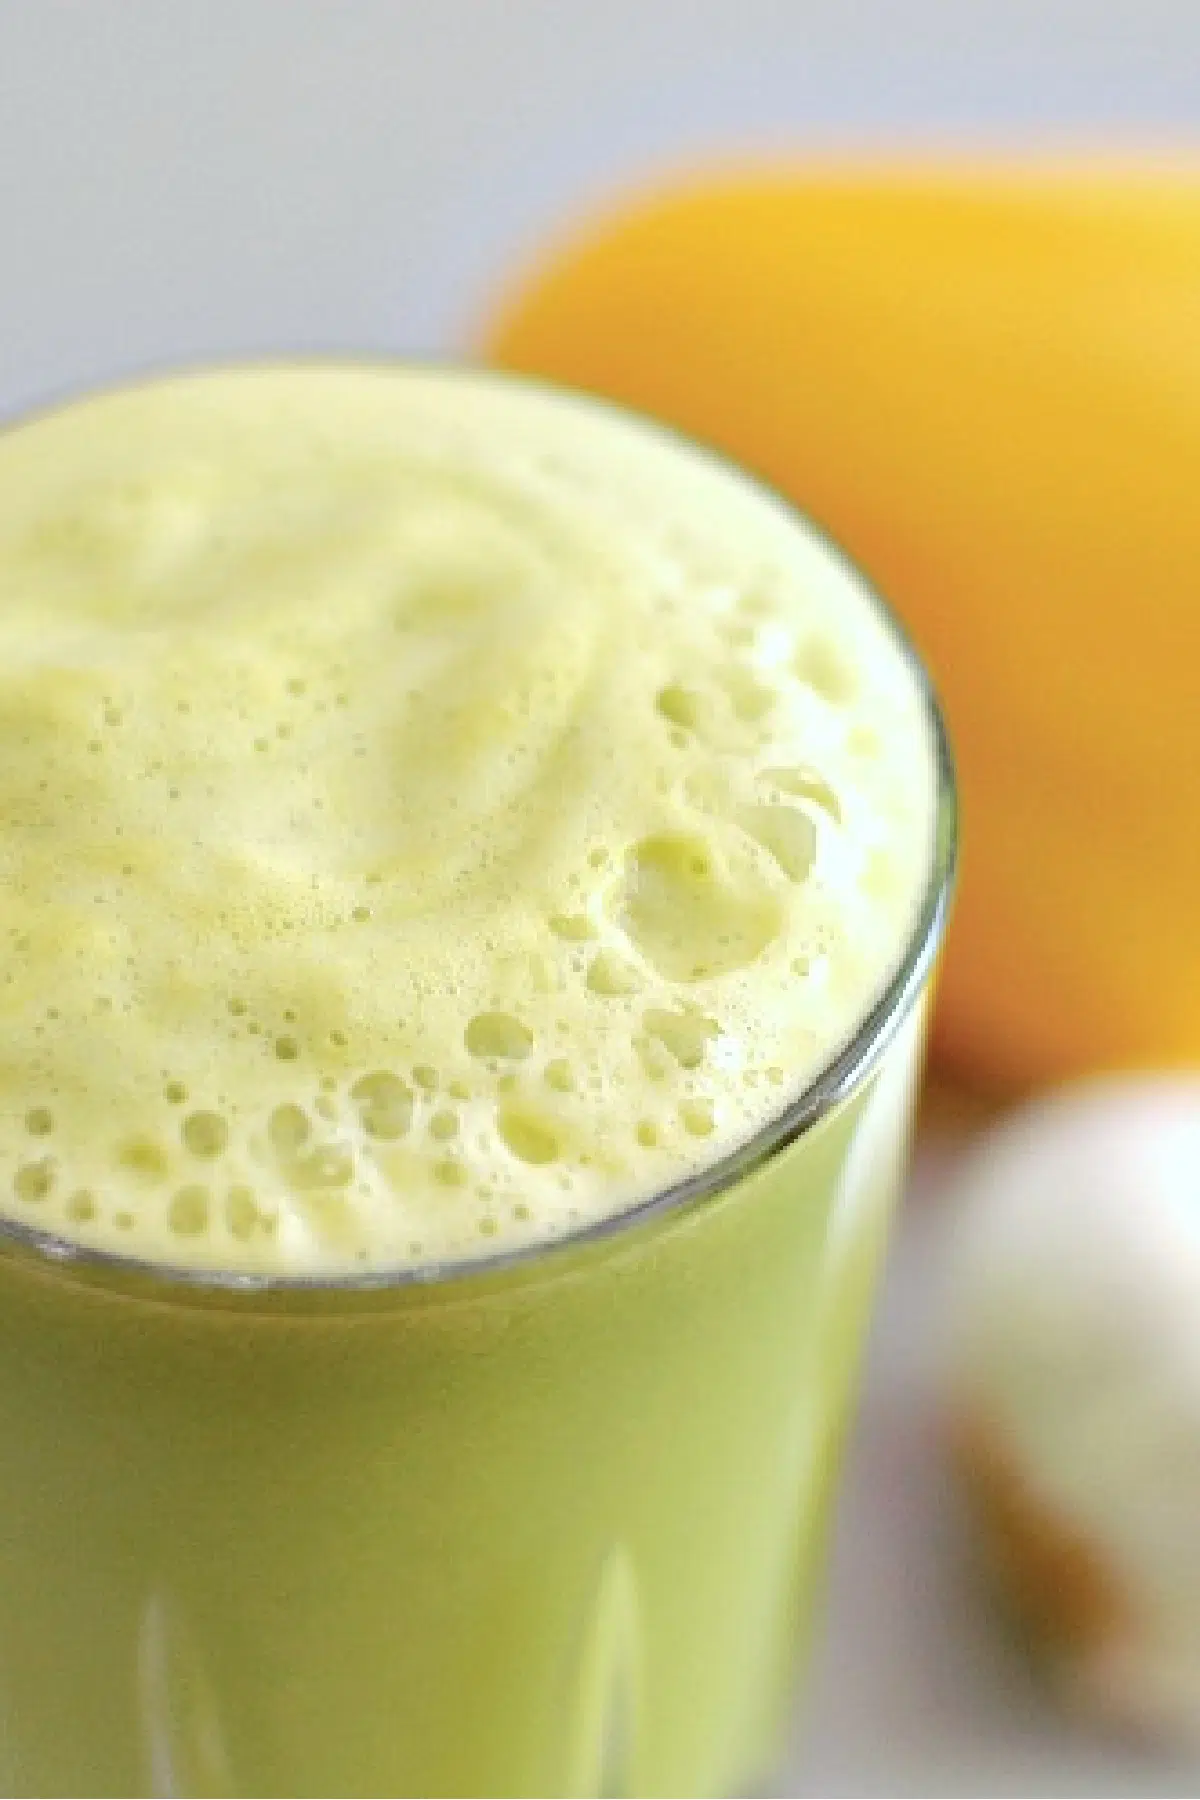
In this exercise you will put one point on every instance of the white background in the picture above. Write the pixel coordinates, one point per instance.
(180, 179)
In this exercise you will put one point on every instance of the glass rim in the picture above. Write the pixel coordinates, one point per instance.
(835, 1082)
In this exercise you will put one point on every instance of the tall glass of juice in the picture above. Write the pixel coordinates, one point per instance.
(472, 865)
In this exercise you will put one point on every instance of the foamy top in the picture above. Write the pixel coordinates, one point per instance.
(434, 813)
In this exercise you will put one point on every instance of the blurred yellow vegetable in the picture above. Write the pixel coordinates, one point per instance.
(986, 382)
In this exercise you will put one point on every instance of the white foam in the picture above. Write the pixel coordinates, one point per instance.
(436, 812)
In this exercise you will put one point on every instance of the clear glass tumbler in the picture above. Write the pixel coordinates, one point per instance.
(550, 1523)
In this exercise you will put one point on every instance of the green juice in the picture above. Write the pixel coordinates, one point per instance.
(472, 865)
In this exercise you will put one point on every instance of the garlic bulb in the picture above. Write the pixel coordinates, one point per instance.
(1075, 1384)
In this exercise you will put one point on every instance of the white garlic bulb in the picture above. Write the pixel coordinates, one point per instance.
(1075, 1384)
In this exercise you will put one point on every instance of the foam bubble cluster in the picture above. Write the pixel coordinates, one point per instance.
(434, 813)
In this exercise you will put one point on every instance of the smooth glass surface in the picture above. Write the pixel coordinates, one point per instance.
(551, 1530)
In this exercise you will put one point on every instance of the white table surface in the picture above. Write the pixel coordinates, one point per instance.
(917, 1689)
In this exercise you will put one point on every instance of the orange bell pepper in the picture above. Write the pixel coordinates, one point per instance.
(985, 381)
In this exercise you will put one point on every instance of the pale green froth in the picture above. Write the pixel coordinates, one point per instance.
(434, 813)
